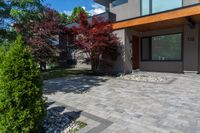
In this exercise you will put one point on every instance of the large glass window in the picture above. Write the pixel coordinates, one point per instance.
(118, 2)
(163, 5)
(155, 6)
(145, 7)
(162, 48)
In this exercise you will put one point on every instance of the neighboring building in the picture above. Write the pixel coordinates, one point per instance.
(156, 35)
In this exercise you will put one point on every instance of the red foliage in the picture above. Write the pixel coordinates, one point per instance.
(39, 35)
(96, 37)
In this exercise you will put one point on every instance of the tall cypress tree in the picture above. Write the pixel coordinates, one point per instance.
(21, 104)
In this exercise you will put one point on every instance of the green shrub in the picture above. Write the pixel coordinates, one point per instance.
(3, 49)
(1, 55)
(22, 108)
(2, 52)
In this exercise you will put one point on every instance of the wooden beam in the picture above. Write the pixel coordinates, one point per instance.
(179, 13)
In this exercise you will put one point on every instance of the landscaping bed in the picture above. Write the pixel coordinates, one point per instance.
(60, 120)
(148, 77)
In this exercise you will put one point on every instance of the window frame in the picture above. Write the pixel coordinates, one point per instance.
(151, 8)
(150, 49)
(117, 5)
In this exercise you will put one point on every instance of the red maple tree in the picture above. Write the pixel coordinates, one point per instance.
(96, 37)
(42, 35)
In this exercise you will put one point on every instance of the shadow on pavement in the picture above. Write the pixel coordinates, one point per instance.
(76, 84)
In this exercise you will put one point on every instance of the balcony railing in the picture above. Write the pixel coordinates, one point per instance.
(151, 7)
(108, 16)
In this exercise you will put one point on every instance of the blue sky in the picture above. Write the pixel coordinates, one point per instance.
(66, 6)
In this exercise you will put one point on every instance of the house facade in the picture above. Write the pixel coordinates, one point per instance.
(156, 35)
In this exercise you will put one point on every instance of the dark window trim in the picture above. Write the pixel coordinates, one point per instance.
(151, 8)
(150, 49)
(149, 38)
(119, 4)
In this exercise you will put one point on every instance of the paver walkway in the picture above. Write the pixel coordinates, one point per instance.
(130, 106)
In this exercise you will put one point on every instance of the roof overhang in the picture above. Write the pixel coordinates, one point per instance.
(102, 2)
(174, 18)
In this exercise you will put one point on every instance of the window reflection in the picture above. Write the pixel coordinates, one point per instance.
(155, 6)
(118, 2)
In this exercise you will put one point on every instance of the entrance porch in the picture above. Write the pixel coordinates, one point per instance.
(165, 45)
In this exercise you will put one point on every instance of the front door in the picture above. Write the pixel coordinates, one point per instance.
(135, 51)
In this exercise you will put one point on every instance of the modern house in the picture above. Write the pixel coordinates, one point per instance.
(156, 35)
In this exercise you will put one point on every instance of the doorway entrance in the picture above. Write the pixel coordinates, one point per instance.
(135, 52)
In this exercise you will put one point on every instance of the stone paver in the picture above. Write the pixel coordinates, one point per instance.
(135, 107)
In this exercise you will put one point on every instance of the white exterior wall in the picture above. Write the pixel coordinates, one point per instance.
(127, 10)
(119, 65)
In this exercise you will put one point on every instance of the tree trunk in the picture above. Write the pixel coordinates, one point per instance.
(94, 62)
(94, 66)
(42, 66)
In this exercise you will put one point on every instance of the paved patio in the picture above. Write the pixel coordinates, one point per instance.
(111, 105)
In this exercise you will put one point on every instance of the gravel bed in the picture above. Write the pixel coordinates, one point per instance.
(58, 120)
(147, 77)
